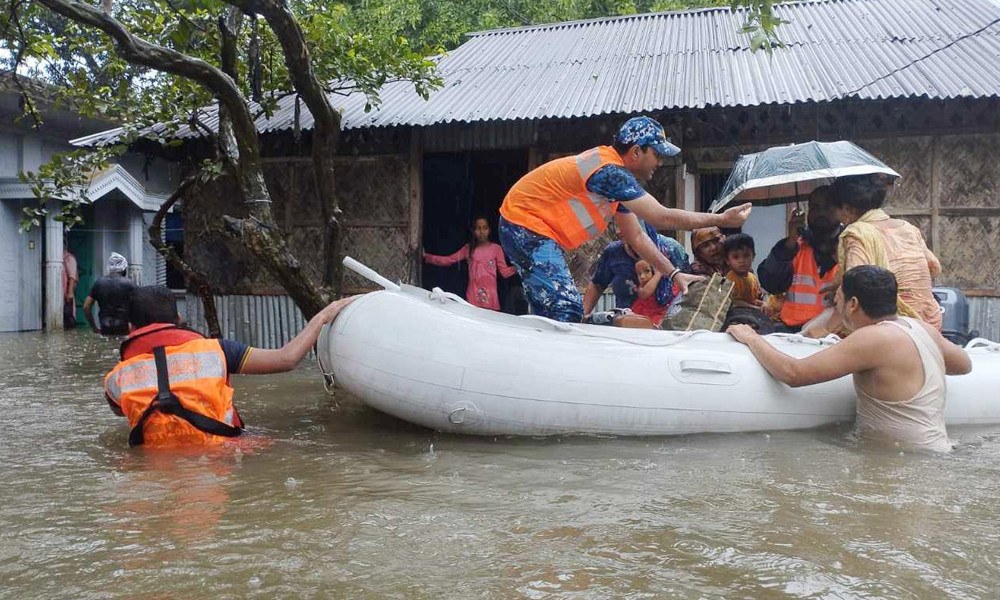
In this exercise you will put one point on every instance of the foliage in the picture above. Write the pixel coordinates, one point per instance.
(353, 50)
(444, 23)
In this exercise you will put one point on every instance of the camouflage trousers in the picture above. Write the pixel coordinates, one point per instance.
(548, 285)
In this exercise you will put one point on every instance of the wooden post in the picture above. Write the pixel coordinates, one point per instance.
(935, 240)
(416, 204)
(532, 157)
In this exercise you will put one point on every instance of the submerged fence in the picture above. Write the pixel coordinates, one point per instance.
(984, 316)
(260, 321)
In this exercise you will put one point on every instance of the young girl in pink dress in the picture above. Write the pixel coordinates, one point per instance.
(485, 259)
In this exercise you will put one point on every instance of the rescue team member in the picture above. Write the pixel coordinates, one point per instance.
(898, 363)
(804, 263)
(568, 201)
(172, 384)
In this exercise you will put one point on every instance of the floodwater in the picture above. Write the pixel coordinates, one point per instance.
(328, 499)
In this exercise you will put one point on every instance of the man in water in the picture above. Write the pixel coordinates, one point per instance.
(111, 293)
(569, 201)
(898, 363)
(172, 383)
(70, 278)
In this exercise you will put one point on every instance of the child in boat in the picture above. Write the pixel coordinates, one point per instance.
(739, 252)
(645, 303)
(485, 259)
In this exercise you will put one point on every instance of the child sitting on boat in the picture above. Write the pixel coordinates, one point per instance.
(739, 251)
(646, 303)
(485, 259)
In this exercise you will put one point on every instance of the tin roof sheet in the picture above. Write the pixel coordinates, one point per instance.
(875, 49)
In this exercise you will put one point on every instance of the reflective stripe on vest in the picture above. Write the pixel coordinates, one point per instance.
(803, 300)
(800, 279)
(182, 367)
(199, 395)
(586, 163)
(553, 200)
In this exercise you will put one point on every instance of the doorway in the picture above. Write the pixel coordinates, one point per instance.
(458, 187)
(81, 245)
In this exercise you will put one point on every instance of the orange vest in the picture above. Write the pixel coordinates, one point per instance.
(553, 200)
(186, 402)
(803, 300)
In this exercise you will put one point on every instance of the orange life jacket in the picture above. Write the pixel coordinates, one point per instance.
(803, 300)
(553, 200)
(175, 396)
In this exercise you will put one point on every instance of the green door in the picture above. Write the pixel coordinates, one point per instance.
(81, 245)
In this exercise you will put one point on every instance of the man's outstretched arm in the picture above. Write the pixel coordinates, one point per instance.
(647, 208)
(263, 361)
(843, 358)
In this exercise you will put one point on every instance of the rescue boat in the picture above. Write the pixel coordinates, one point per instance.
(430, 358)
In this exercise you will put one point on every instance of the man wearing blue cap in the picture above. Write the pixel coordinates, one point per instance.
(569, 201)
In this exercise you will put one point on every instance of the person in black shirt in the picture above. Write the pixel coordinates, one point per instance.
(808, 255)
(112, 294)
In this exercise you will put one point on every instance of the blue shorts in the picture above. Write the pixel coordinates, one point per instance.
(548, 285)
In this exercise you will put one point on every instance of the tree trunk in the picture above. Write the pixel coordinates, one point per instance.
(326, 130)
(194, 277)
(258, 232)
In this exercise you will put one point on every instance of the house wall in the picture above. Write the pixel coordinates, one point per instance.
(21, 275)
(375, 193)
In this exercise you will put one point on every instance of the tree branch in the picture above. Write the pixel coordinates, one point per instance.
(194, 277)
(141, 52)
(28, 103)
(180, 14)
(326, 127)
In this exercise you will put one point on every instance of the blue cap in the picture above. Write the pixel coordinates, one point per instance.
(645, 132)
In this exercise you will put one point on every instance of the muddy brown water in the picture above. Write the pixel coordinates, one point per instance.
(328, 499)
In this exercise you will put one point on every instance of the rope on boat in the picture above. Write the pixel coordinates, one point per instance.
(989, 345)
(443, 296)
(328, 381)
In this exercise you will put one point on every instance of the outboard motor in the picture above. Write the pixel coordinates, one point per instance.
(954, 315)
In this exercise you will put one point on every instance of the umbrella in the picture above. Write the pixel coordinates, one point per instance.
(779, 175)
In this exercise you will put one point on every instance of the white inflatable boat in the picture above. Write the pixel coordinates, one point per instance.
(432, 359)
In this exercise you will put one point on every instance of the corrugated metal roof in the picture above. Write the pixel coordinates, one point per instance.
(693, 59)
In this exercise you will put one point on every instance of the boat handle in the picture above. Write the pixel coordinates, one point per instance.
(705, 366)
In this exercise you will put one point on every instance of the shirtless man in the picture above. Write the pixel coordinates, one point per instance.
(898, 363)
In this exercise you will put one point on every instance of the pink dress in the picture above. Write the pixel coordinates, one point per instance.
(486, 261)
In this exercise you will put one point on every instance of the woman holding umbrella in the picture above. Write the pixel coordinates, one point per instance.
(872, 237)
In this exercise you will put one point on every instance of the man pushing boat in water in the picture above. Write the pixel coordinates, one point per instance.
(172, 383)
(898, 363)
(569, 201)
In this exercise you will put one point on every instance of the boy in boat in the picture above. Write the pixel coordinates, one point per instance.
(898, 363)
(172, 383)
(740, 253)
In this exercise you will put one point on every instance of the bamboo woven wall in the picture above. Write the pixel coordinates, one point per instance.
(950, 189)
(374, 193)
